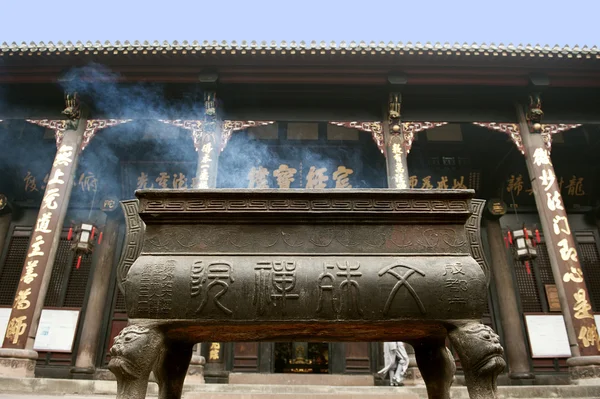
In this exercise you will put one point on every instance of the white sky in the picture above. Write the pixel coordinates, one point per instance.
(510, 21)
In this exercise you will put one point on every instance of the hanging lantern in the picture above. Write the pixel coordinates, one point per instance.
(84, 237)
(523, 245)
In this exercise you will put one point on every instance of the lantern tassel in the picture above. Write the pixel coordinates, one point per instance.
(505, 242)
(510, 238)
(100, 238)
(537, 236)
(93, 232)
(78, 262)
(526, 234)
(527, 267)
(70, 235)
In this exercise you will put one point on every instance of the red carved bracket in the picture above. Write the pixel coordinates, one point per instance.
(93, 125)
(409, 129)
(227, 130)
(233, 126)
(513, 130)
(194, 125)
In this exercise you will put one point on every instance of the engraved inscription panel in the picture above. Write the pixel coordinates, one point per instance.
(156, 288)
(304, 287)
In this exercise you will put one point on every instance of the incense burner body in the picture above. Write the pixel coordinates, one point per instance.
(343, 265)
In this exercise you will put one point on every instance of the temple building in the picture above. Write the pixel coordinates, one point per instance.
(83, 126)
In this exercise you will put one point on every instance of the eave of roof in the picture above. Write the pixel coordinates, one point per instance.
(302, 48)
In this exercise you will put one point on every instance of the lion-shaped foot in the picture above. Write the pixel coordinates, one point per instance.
(481, 356)
(133, 356)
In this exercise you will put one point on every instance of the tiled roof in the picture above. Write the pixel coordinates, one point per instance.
(292, 47)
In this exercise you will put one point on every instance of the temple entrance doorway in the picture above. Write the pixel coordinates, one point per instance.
(301, 357)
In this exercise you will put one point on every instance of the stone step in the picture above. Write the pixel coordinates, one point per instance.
(33, 387)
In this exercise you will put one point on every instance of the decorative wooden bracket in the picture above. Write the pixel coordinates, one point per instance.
(552, 128)
(513, 130)
(233, 126)
(93, 125)
(375, 128)
(409, 129)
(59, 126)
(227, 130)
(194, 125)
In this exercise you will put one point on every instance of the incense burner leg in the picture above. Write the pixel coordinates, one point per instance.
(437, 367)
(481, 357)
(171, 369)
(133, 356)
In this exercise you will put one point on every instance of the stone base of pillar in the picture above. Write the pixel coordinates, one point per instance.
(522, 376)
(195, 373)
(17, 363)
(83, 373)
(584, 370)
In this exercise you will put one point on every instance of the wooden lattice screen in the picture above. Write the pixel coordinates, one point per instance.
(12, 267)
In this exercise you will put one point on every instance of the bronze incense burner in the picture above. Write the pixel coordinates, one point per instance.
(343, 265)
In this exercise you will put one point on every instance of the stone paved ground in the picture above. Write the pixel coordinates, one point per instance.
(29, 396)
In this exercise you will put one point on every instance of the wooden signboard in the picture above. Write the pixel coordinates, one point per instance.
(552, 297)
(547, 336)
(56, 330)
(4, 316)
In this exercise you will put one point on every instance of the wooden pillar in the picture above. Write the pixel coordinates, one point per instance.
(396, 154)
(510, 317)
(33, 285)
(564, 260)
(209, 149)
(266, 354)
(85, 361)
(395, 149)
(208, 144)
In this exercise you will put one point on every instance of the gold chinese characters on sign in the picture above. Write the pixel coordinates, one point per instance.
(560, 237)
(552, 297)
(86, 182)
(40, 244)
(399, 170)
(215, 349)
(205, 164)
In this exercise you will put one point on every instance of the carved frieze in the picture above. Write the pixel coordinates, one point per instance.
(339, 238)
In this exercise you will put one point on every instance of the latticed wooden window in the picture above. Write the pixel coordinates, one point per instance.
(67, 286)
(78, 281)
(59, 274)
(590, 264)
(542, 262)
(12, 267)
(528, 291)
